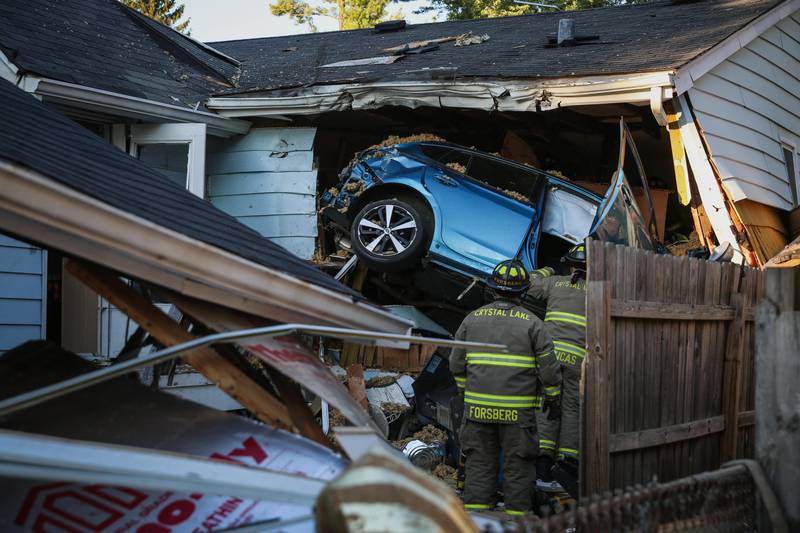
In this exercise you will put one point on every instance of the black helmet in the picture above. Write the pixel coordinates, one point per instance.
(509, 276)
(576, 254)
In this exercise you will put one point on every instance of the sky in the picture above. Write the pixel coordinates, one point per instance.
(224, 20)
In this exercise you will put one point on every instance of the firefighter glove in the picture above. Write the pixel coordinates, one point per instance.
(552, 406)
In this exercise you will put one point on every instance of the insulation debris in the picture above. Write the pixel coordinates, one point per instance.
(336, 418)
(429, 434)
(397, 139)
(458, 167)
(355, 187)
(381, 381)
(414, 45)
(516, 195)
(380, 60)
(557, 174)
(446, 473)
(682, 247)
(468, 39)
(393, 410)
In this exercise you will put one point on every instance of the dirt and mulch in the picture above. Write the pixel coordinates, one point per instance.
(393, 410)
(429, 434)
(682, 247)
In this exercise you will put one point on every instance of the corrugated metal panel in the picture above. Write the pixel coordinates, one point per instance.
(748, 106)
(23, 282)
(266, 179)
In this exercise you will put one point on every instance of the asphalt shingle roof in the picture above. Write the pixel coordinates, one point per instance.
(104, 45)
(654, 36)
(43, 140)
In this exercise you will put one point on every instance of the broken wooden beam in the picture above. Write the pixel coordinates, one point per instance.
(216, 368)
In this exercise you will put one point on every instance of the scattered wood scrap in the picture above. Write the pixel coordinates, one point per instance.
(407, 47)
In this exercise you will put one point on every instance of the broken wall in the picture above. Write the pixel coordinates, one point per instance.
(267, 179)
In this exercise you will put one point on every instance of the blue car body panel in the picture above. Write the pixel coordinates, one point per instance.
(476, 225)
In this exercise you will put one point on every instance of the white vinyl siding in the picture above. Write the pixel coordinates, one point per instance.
(267, 180)
(749, 107)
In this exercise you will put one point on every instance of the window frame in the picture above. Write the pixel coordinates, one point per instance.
(794, 191)
(192, 134)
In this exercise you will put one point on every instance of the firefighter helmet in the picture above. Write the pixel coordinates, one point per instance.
(509, 276)
(576, 254)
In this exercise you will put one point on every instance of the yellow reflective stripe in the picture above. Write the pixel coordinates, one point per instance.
(500, 404)
(561, 316)
(514, 513)
(543, 354)
(568, 450)
(503, 356)
(460, 381)
(478, 506)
(499, 397)
(553, 391)
(501, 363)
(570, 348)
(543, 272)
(547, 444)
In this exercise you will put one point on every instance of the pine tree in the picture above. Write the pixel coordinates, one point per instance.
(167, 12)
(473, 9)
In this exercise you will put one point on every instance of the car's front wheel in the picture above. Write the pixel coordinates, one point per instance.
(391, 234)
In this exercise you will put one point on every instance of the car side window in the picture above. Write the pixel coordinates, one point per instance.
(509, 179)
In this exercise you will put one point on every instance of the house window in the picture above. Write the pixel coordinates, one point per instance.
(177, 151)
(791, 171)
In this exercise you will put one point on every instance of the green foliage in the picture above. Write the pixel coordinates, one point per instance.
(473, 9)
(167, 12)
(351, 14)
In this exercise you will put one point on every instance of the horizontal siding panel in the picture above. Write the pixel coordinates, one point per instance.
(20, 312)
(5, 240)
(761, 71)
(769, 46)
(750, 100)
(756, 177)
(739, 133)
(710, 103)
(742, 190)
(283, 225)
(765, 88)
(266, 204)
(21, 260)
(788, 31)
(257, 182)
(22, 286)
(299, 246)
(237, 162)
(13, 336)
(272, 140)
(745, 154)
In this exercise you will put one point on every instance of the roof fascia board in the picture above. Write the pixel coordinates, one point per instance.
(8, 70)
(131, 106)
(35, 207)
(687, 74)
(487, 95)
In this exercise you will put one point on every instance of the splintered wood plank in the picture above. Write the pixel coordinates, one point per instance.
(356, 385)
(301, 415)
(217, 369)
(595, 461)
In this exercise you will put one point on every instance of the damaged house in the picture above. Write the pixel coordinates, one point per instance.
(262, 127)
(167, 189)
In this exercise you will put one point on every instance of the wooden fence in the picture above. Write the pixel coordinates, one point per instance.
(668, 387)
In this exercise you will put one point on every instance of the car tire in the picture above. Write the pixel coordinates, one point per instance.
(396, 246)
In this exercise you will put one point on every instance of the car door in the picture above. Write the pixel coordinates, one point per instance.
(481, 224)
(618, 218)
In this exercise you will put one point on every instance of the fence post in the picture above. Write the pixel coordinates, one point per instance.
(732, 381)
(596, 411)
(777, 378)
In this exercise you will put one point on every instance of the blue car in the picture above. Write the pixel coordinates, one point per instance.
(467, 210)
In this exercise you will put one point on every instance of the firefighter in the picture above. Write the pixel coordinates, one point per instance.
(501, 392)
(565, 320)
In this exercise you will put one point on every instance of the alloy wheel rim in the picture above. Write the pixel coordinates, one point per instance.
(387, 230)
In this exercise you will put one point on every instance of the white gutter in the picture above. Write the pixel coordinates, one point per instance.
(486, 95)
(686, 75)
(119, 104)
(47, 212)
